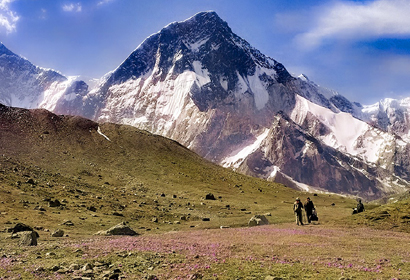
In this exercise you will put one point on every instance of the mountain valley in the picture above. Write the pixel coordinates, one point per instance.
(184, 162)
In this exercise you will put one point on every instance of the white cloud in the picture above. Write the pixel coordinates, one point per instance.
(43, 14)
(72, 7)
(352, 20)
(8, 18)
(102, 2)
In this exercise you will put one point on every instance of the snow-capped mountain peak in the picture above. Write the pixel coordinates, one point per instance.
(197, 82)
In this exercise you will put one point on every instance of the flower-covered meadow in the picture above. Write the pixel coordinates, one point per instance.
(285, 251)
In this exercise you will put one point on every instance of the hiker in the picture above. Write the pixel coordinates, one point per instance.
(309, 207)
(359, 208)
(297, 209)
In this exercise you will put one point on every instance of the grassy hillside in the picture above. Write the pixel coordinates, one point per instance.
(104, 174)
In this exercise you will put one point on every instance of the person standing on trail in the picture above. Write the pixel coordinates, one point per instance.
(309, 207)
(297, 209)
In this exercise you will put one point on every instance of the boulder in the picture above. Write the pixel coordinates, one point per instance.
(210, 196)
(258, 220)
(19, 227)
(28, 238)
(120, 229)
(58, 233)
(54, 203)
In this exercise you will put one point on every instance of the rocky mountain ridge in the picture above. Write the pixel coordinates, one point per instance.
(202, 85)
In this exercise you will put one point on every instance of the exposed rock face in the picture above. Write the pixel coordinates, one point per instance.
(307, 160)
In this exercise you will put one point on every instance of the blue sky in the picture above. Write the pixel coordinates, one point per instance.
(359, 48)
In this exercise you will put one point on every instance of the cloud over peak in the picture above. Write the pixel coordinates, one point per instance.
(8, 18)
(352, 20)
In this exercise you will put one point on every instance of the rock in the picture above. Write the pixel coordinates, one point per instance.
(258, 220)
(92, 208)
(67, 223)
(120, 229)
(196, 276)
(74, 267)
(210, 196)
(39, 208)
(206, 219)
(58, 233)
(86, 267)
(117, 214)
(20, 227)
(155, 220)
(63, 271)
(55, 268)
(30, 181)
(29, 238)
(114, 276)
(273, 278)
(54, 203)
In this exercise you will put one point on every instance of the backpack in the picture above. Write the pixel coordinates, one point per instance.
(314, 216)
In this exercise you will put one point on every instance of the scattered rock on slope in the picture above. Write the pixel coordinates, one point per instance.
(120, 229)
(258, 220)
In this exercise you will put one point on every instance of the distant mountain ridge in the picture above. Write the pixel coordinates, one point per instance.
(26, 85)
(200, 84)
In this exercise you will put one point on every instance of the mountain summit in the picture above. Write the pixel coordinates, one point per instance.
(200, 84)
(204, 45)
(23, 84)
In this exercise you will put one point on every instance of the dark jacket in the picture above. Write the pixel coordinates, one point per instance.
(360, 207)
(309, 206)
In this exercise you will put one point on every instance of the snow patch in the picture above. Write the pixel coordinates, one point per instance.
(202, 74)
(236, 158)
(105, 136)
(195, 46)
(224, 82)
